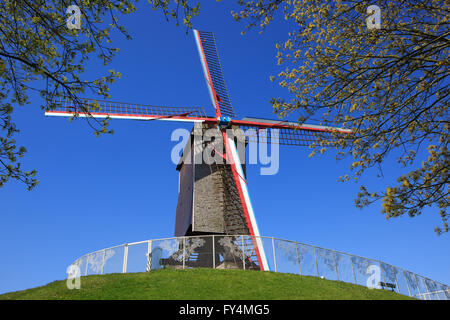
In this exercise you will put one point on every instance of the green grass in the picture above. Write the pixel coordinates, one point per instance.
(204, 284)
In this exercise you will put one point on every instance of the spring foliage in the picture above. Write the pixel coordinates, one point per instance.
(389, 85)
(40, 53)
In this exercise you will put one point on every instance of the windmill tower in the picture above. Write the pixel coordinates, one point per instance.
(208, 201)
(213, 197)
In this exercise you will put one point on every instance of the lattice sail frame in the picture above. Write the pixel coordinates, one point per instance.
(212, 69)
(122, 110)
(289, 133)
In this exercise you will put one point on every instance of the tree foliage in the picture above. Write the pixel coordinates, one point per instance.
(40, 53)
(389, 85)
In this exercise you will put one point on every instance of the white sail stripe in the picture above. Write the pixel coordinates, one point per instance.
(243, 184)
(135, 117)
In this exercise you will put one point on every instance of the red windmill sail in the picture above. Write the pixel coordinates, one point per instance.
(123, 110)
(212, 69)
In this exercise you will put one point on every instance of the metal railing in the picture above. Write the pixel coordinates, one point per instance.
(238, 252)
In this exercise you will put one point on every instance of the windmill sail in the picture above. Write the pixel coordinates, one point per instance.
(289, 133)
(120, 110)
(209, 57)
(241, 185)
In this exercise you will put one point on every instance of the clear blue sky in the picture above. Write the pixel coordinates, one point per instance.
(99, 192)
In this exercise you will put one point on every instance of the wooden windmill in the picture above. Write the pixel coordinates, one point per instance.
(213, 198)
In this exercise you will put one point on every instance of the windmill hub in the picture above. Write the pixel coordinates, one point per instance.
(224, 122)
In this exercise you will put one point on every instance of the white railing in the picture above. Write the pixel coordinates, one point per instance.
(237, 252)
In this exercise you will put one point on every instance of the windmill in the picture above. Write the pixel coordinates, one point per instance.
(213, 198)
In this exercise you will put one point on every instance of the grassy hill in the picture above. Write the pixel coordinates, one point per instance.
(204, 284)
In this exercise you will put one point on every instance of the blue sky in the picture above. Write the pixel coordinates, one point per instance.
(99, 192)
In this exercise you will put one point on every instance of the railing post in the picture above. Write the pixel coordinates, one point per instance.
(299, 260)
(243, 251)
(315, 258)
(418, 287)
(87, 264)
(125, 259)
(407, 283)
(429, 292)
(396, 282)
(149, 255)
(214, 252)
(353, 269)
(335, 264)
(274, 255)
(184, 252)
(103, 260)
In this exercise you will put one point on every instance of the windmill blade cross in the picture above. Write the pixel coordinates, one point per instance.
(233, 175)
